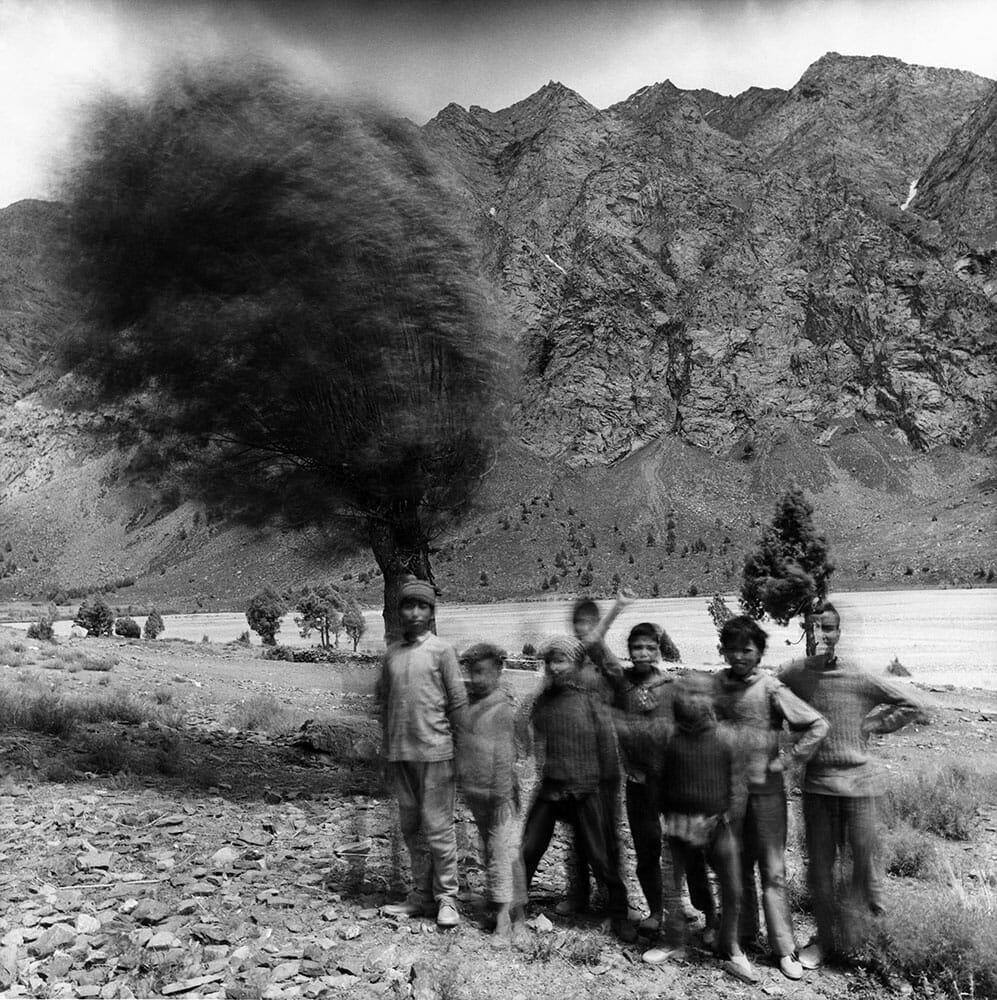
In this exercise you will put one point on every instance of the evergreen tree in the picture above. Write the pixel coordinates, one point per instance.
(154, 626)
(264, 613)
(320, 609)
(95, 616)
(787, 573)
(355, 626)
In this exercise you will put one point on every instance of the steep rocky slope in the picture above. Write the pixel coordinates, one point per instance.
(709, 297)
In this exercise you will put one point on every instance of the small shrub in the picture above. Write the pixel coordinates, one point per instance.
(910, 853)
(41, 629)
(243, 639)
(127, 628)
(205, 639)
(261, 712)
(163, 696)
(944, 802)
(944, 940)
(529, 649)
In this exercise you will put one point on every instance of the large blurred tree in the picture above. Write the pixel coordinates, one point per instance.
(787, 572)
(279, 288)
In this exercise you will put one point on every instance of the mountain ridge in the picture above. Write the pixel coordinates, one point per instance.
(710, 297)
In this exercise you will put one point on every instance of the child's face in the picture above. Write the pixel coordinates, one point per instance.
(483, 678)
(644, 654)
(584, 625)
(743, 656)
(416, 615)
(827, 632)
(559, 663)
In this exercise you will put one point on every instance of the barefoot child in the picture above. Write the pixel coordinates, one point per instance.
(758, 706)
(843, 781)
(486, 759)
(573, 725)
(423, 702)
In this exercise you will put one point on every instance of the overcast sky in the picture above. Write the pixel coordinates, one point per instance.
(417, 56)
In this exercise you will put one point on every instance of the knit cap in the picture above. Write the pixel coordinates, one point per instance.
(566, 644)
(421, 590)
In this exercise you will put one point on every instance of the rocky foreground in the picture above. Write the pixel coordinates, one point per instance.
(190, 852)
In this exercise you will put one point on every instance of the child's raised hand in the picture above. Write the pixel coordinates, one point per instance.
(625, 596)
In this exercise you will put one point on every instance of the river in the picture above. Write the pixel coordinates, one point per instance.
(940, 636)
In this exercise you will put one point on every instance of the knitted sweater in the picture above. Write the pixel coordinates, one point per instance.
(572, 721)
(698, 771)
(757, 707)
(847, 697)
(643, 705)
(486, 753)
(422, 698)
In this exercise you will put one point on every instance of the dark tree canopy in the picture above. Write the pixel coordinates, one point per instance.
(787, 572)
(280, 289)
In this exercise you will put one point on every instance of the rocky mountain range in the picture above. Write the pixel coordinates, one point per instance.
(708, 296)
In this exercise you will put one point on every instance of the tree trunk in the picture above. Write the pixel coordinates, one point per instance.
(808, 631)
(401, 551)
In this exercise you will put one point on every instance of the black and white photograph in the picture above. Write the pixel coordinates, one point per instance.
(498, 499)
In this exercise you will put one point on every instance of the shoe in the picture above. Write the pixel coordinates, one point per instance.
(447, 915)
(811, 957)
(790, 966)
(740, 968)
(651, 924)
(624, 930)
(410, 908)
(657, 956)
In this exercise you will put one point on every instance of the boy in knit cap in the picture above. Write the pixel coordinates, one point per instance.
(758, 706)
(697, 793)
(843, 781)
(572, 722)
(423, 702)
(486, 772)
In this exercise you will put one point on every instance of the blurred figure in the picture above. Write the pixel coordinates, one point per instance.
(486, 770)
(423, 703)
(572, 721)
(843, 781)
(698, 793)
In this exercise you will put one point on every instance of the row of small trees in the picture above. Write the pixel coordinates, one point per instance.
(323, 609)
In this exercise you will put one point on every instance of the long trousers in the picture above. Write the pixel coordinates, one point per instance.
(645, 829)
(497, 821)
(832, 821)
(426, 794)
(763, 843)
(586, 814)
(723, 855)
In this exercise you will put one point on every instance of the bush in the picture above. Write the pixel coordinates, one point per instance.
(262, 712)
(945, 941)
(944, 802)
(154, 626)
(355, 626)
(264, 613)
(319, 654)
(128, 628)
(41, 629)
(95, 616)
(910, 853)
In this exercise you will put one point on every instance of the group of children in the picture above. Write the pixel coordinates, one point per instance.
(698, 754)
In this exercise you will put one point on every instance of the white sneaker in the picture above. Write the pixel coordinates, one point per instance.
(740, 968)
(447, 915)
(656, 956)
(790, 966)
